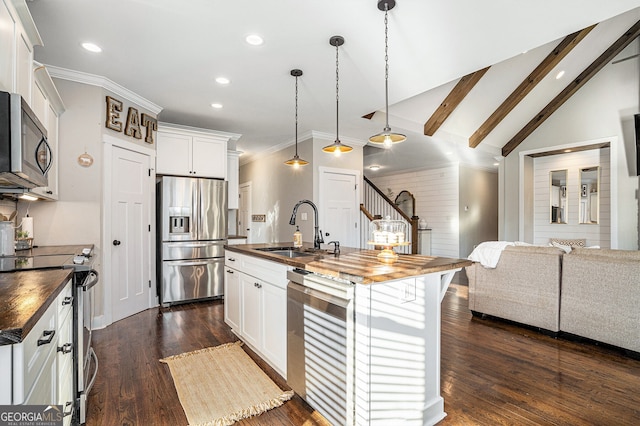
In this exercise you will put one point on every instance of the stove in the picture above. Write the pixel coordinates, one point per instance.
(84, 279)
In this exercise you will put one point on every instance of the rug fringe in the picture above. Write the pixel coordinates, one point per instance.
(198, 351)
(251, 411)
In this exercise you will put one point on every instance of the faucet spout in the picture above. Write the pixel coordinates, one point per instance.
(317, 238)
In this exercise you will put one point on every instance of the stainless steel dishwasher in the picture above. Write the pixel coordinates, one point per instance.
(320, 344)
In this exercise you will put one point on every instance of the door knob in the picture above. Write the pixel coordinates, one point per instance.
(116, 242)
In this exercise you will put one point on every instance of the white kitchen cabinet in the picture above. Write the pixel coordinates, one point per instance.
(251, 326)
(232, 300)
(256, 306)
(64, 361)
(18, 35)
(233, 178)
(47, 105)
(188, 151)
(7, 47)
(39, 370)
(274, 325)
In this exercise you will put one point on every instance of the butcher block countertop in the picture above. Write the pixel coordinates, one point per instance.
(25, 296)
(355, 265)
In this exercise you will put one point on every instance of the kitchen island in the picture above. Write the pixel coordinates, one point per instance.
(389, 361)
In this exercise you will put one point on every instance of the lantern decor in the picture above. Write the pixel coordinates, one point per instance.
(388, 233)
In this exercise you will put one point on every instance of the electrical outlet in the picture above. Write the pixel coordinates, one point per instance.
(303, 216)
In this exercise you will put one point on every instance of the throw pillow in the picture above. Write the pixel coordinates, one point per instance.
(577, 242)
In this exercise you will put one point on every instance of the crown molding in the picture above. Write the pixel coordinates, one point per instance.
(27, 22)
(165, 126)
(105, 83)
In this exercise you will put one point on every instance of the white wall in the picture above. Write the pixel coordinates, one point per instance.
(596, 234)
(602, 109)
(437, 201)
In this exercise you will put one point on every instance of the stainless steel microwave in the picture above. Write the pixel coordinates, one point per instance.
(25, 154)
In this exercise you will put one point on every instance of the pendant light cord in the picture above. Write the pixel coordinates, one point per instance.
(337, 97)
(386, 62)
(296, 116)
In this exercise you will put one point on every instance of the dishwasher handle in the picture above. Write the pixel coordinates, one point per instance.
(325, 302)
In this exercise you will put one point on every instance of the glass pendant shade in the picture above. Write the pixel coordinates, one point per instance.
(337, 147)
(386, 138)
(296, 161)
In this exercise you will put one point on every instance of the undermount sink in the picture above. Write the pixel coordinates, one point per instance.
(285, 251)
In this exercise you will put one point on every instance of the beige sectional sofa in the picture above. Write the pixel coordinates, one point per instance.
(600, 297)
(524, 287)
(592, 293)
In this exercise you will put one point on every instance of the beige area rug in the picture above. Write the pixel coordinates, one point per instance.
(222, 384)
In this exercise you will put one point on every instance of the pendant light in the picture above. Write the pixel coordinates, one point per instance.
(296, 161)
(386, 137)
(337, 147)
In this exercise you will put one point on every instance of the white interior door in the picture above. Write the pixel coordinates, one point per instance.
(244, 212)
(339, 206)
(130, 234)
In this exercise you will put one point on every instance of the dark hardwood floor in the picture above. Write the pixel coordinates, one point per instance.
(493, 373)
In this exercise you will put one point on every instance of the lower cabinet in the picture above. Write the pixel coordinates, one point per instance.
(40, 368)
(232, 301)
(256, 306)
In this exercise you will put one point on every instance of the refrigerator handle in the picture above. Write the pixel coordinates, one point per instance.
(196, 215)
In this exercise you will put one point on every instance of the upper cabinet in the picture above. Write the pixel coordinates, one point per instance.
(188, 151)
(18, 35)
(47, 105)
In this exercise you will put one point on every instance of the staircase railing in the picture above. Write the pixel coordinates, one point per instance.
(376, 201)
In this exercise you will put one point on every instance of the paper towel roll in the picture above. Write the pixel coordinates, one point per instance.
(27, 226)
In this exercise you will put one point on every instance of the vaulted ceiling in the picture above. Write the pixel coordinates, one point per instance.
(461, 73)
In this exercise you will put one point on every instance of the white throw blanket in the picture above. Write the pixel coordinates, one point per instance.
(488, 253)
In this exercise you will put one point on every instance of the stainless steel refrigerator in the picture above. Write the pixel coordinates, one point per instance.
(191, 234)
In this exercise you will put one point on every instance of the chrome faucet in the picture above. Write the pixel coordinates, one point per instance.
(317, 238)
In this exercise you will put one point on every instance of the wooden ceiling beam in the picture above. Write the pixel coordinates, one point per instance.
(573, 87)
(451, 102)
(527, 85)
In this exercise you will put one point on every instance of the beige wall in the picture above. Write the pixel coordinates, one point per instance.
(276, 187)
(77, 216)
(478, 208)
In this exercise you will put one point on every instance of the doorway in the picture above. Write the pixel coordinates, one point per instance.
(339, 197)
(244, 212)
(128, 238)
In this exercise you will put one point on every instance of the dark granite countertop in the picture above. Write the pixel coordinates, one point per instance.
(356, 265)
(25, 296)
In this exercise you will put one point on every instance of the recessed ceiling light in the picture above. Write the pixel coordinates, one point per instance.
(496, 164)
(254, 39)
(374, 167)
(91, 47)
(223, 80)
(216, 105)
(559, 75)
(567, 150)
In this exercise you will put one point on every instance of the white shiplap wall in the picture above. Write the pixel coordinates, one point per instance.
(437, 196)
(596, 234)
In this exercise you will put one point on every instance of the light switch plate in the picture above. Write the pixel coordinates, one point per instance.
(303, 216)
